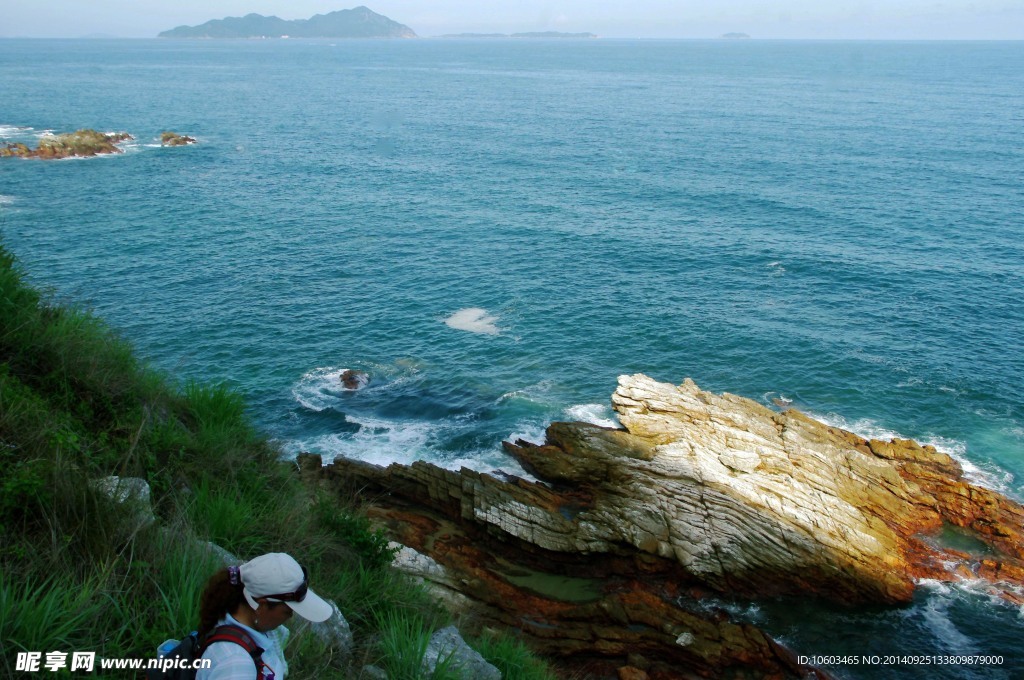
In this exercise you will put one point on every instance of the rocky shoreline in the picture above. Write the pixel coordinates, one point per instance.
(83, 143)
(611, 561)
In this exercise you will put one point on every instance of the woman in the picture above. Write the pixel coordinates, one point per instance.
(242, 612)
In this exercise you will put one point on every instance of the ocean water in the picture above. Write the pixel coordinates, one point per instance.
(495, 230)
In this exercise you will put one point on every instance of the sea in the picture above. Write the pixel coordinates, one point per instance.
(494, 230)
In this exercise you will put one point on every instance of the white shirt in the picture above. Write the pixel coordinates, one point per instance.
(229, 661)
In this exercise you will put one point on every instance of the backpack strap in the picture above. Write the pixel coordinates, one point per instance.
(240, 637)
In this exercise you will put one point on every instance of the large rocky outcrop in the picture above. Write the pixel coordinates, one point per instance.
(82, 143)
(609, 557)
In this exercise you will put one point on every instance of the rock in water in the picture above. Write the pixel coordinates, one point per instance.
(82, 143)
(761, 501)
(353, 380)
(698, 492)
(174, 139)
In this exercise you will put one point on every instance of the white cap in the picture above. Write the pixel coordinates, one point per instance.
(279, 578)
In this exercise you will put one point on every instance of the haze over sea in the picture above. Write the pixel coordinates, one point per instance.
(495, 230)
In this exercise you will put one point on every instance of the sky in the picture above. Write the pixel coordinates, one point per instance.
(775, 19)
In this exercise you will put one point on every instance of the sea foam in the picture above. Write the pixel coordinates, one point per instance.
(318, 390)
(595, 414)
(474, 320)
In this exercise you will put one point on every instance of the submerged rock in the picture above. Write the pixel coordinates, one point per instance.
(698, 493)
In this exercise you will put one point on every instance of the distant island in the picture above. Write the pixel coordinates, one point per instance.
(541, 34)
(360, 22)
(734, 36)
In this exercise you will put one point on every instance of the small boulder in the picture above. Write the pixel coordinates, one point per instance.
(353, 380)
(447, 647)
(132, 492)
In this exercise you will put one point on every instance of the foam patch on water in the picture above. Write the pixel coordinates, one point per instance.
(776, 399)
(319, 389)
(377, 441)
(533, 433)
(988, 475)
(14, 131)
(6, 200)
(935, 614)
(382, 442)
(595, 414)
(474, 320)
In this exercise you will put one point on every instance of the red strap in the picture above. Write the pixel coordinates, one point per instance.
(237, 635)
(229, 633)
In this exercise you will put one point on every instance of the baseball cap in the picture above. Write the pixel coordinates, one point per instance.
(279, 578)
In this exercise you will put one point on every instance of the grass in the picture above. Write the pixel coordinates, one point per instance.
(512, 657)
(79, 572)
(404, 640)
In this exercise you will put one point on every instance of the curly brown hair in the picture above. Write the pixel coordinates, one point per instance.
(219, 598)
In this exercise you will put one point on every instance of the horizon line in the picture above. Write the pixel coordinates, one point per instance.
(492, 37)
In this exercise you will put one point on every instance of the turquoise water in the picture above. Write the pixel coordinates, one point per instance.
(836, 223)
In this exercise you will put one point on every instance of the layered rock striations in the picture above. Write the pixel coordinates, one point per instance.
(613, 552)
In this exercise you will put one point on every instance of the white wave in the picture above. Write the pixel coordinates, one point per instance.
(319, 389)
(487, 463)
(776, 399)
(6, 200)
(474, 320)
(595, 414)
(864, 427)
(14, 130)
(377, 441)
(936, 618)
(383, 442)
(534, 433)
(989, 475)
(934, 611)
(538, 393)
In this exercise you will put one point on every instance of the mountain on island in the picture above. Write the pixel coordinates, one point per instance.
(360, 22)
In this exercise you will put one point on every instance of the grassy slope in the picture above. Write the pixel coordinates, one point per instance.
(78, 574)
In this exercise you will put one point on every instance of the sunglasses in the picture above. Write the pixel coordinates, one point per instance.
(297, 595)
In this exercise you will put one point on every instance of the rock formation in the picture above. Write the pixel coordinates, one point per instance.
(82, 143)
(174, 139)
(353, 380)
(608, 560)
